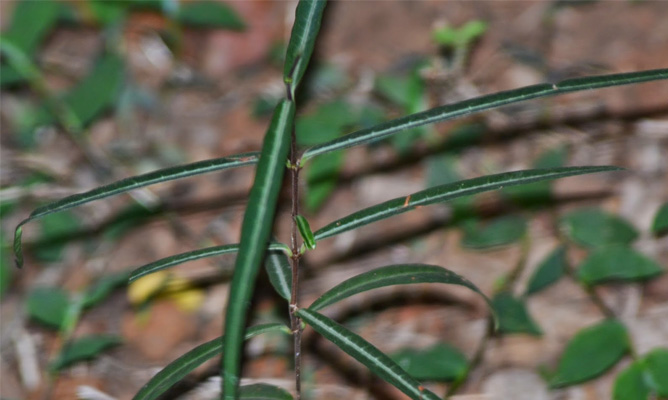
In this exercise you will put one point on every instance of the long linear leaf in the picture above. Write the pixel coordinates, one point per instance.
(481, 103)
(448, 192)
(131, 183)
(302, 39)
(366, 353)
(255, 232)
(191, 256)
(182, 366)
(403, 274)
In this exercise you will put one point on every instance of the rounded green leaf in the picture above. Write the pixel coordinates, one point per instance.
(498, 232)
(262, 391)
(209, 14)
(513, 315)
(656, 363)
(182, 366)
(392, 275)
(630, 384)
(367, 354)
(591, 352)
(660, 223)
(593, 227)
(440, 362)
(548, 272)
(84, 348)
(616, 263)
(48, 305)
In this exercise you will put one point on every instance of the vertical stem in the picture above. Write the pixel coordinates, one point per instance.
(295, 321)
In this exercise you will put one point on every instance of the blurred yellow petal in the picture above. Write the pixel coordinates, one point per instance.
(143, 288)
(188, 300)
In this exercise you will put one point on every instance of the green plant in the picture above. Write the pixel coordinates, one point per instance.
(282, 261)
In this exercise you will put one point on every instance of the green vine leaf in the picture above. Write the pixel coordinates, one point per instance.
(131, 183)
(617, 263)
(660, 223)
(513, 315)
(591, 352)
(592, 227)
(255, 233)
(500, 231)
(440, 362)
(84, 348)
(478, 104)
(48, 305)
(550, 270)
(366, 353)
(447, 192)
(182, 366)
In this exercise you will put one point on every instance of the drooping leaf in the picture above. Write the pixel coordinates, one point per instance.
(481, 103)
(630, 383)
(440, 362)
(403, 274)
(498, 232)
(513, 315)
(190, 256)
(591, 352)
(127, 184)
(593, 227)
(262, 391)
(656, 363)
(48, 305)
(375, 360)
(448, 192)
(255, 231)
(209, 14)
(182, 366)
(280, 273)
(550, 270)
(84, 348)
(617, 263)
(302, 40)
(660, 223)
(103, 287)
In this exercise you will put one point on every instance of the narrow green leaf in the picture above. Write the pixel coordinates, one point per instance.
(209, 14)
(191, 256)
(84, 348)
(127, 184)
(255, 232)
(656, 363)
(481, 103)
(279, 271)
(593, 227)
(448, 192)
(403, 274)
(660, 224)
(440, 362)
(182, 366)
(103, 287)
(262, 391)
(48, 306)
(513, 315)
(375, 360)
(548, 272)
(591, 352)
(302, 40)
(630, 383)
(501, 231)
(305, 232)
(617, 263)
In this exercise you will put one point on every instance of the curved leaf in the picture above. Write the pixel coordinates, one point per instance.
(593, 227)
(481, 103)
(392, 275)
(262, 391)
(660, 223)
(182, 366)
(375, 360)
(279, 271)
(591, 352)
(131, 183)
(617, 263)
(190, 256)
(255, 232)
(448, 192)
(302, 39)
(630, 383)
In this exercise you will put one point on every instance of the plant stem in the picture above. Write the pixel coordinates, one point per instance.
(295, 321)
